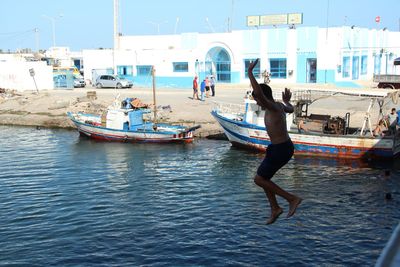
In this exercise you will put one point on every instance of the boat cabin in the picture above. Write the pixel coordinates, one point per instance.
(125, 117)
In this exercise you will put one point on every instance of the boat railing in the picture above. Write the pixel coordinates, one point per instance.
(224, 107)
(297, 95)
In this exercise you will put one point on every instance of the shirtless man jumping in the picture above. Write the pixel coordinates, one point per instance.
(280, 151)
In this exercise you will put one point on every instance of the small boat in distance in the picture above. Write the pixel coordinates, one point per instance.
(123, 122)
(329, 137)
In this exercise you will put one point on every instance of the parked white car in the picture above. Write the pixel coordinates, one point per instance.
(112, 81)
(79, 82)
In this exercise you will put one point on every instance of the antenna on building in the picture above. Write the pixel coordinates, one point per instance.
(209, 25)
(176, 24)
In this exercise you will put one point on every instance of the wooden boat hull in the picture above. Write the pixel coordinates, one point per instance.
(252, 136)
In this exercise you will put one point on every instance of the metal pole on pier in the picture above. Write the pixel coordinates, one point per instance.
(153, 74)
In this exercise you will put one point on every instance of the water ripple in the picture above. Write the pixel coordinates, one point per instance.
(95, 203)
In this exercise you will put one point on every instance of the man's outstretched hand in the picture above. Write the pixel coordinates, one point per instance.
(286, 95)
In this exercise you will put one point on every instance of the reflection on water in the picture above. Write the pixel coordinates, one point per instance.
(97, 203)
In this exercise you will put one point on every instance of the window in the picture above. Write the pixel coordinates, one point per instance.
(256, 70)
(124, 71)
(223, 71)
(346, 67)
(278, 68)
(144, 70)
(180, 66)
(364, 64)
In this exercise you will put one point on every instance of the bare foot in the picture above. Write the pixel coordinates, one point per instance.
(274, 215)
(293, 206)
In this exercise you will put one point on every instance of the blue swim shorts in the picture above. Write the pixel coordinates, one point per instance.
(276, 157)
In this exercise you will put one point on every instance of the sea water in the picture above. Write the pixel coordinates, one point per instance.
(70, 201)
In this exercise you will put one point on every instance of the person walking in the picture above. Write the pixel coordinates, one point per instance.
(212, 85)
(207, 87)
(202, 89)
(281, 148)
(195, 88)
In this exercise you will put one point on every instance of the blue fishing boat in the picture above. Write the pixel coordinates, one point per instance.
(329, 137)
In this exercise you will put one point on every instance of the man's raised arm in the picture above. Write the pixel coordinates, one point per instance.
(257, 93)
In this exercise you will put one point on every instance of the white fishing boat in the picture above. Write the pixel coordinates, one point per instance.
(330, 137)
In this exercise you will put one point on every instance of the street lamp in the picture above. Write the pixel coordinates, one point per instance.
(53, 24)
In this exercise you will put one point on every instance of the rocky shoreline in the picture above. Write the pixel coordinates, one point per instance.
(48, 108)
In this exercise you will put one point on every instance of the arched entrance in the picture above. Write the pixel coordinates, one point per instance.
(218, 63)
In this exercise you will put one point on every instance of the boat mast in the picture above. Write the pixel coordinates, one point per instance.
(153, 74)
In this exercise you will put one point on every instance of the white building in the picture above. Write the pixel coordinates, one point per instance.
(339, 55)
(19, 73)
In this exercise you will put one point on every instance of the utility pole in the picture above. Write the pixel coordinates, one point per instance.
(116, 18)
(53, 24)
(230, 22)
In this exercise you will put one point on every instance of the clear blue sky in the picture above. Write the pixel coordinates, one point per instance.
(87, 24)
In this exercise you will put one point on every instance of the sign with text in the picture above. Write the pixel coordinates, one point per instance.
(253, 21)
(273, 19)
(277, 19)
(295, 18)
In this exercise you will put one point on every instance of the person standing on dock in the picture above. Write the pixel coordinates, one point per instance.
(212, 85)
(280, 150)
